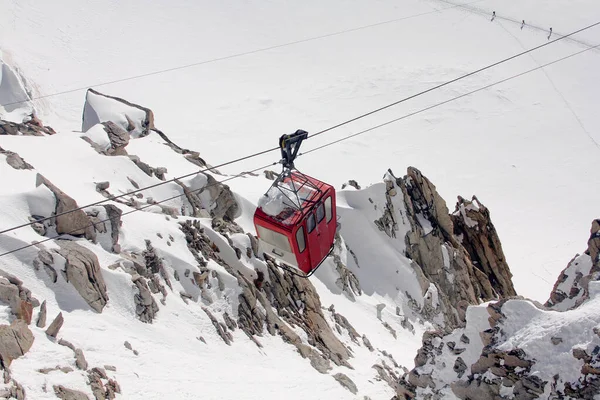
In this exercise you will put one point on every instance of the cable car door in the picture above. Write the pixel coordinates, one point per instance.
(322, 231)
(314, 247)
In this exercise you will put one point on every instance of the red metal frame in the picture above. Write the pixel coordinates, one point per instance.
(321, 237)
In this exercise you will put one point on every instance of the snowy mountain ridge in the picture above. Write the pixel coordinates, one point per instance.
(180, 282)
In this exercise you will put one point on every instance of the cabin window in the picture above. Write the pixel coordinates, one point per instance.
(274, 238)
(320, 213)
(328, 210)
(300, 239)
(310, 223)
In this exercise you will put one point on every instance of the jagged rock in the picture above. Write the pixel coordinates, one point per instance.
(28, 128)
(147, 169)
(64, 393)
(102, 186)
(146, 307)
(15, 340)
(133, 118)
(367, 343)
(472, 221)
(565, 298)
(223, 333)
(352, 183)
(225, 205)
(346, 382)
(253, 244)
(387, 374)
(581, 354)
(80, 360)
(347, 281)
(68, 344)
(17, 297)
(556, 340)
(119, 138)
(41, 321)
(476, 389)
(231, 324)
(439, 256)
(160, 173)
(83, 272)
(343, 322)
(55, 325)
(114, 216)
(74, 223)
(14, 160)
(594, 244)
(460, 367)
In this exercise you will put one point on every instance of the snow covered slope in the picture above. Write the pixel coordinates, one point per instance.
(161, 299)
(524, 147)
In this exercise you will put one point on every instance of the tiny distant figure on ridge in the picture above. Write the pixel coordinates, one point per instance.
(493, 16)
(550, 34)
(522, 24)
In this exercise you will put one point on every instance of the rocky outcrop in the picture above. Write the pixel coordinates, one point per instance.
(76, 223)
(15, 340)
(572, 287)
(55, 326)
(32, 127)
(132, 118)
(462, 262)
(347, 281)
(145, 305)
(594, 244)
(476, 232)
(118, 137)
(18, 298)
(82, 270)
(64, 393)
(222, 203)
(14, 160)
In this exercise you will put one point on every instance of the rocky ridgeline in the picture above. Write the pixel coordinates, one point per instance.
(459, 253)
(572, 287)
(446, 363)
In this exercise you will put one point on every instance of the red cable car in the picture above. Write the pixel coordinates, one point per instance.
(296, 219)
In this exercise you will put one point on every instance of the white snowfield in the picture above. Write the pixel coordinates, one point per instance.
(528, 148)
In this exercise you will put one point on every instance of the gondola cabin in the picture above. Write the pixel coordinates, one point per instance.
(296, 221)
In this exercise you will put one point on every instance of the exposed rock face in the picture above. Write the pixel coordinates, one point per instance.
(572, 287)
(346, 382)
(82, 270)
(225, 205)
(64, 393)
(347, 281)
(41, 321)
(74, 223)
(475, 230)
(119, 138)
(28, 128)
(146, 307)
(14, 160)
(19, 298)
(55, 326)
(594, 244)
(15, 340)
(440, 257)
